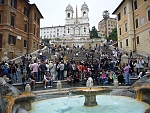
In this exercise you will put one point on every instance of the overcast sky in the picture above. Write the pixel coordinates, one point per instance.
(53, 11)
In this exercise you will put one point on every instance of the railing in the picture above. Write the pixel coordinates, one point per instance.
(18, 59)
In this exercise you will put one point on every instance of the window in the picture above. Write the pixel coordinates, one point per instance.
(34, 16)
(142, 20)
(1, 1)
(1, 39)
(120, 44)
(119, 16)
(14, 3)
(120, 30)
(0, 18)
(33, 44)
(84, 29)
(136, 23)
(124, 10)
(37, 46)
(57, 34)
(137, 40)
(148, 15)
(12, 21)
(68, 15)
(26, 11)
(126, 27)
(57, 30)
(34, 30)
(84, 13)
(127, 42)
(135, 5)
(12, 39)
(25, 43)
(25, 27)
(38, 21)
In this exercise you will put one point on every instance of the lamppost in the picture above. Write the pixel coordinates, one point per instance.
(106, 16)
(27, 49)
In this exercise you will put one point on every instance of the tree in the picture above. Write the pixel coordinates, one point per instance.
(46, 40)
(113, 35)
(93, 33)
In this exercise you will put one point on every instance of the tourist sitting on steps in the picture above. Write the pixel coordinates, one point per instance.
(48, 80)
(25, 80)
(76, 79)
(69, 78)
(32, 80)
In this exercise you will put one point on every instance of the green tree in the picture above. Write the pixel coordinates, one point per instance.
(46, 40)
(93, 33)
(113, 35)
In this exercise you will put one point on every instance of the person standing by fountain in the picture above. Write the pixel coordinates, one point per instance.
(35, 67)
(13, 70)
(126, 74)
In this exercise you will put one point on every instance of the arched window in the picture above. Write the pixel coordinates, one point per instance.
(84, 13)
(68, 15)
(148, 15)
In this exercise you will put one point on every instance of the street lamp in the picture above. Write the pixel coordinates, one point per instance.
(27, 49)
(106, 16)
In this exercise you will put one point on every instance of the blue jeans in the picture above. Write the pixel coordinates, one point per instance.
(50, 82)
(127, 78)
(12, 76)
(36, 75)
(24, 84)
(61, 74)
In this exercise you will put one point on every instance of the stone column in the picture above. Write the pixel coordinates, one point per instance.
(59, 85)
(90, 100)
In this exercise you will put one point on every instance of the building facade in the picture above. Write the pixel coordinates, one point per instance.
(110, 24)
(77, 27)
(52, 32)
(19, 27)
(74, 28)
(133, 25)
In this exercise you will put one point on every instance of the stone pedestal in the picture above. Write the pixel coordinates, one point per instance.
(90, 100)
(124, 59)
(116, 83)
(5, 58)
(59, 86)
(28, 88)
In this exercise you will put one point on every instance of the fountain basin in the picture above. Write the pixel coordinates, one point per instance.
(74, 104)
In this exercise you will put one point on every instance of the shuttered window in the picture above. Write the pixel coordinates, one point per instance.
(12, 20)
(14, 3)
(12, 39)
(1, 40)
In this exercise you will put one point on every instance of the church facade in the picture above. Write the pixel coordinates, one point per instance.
(75, 27)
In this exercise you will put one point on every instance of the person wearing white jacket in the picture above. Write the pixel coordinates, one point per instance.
(53, 70)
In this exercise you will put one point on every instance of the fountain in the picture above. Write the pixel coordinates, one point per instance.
(90, 93)
(94, 101)
(13, 100)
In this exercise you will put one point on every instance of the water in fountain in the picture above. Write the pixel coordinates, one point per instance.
(75, 105)
(70, 94)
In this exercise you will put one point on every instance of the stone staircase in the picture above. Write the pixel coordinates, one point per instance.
(81, 54)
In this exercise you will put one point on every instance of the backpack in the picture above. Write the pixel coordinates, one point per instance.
(5, 71)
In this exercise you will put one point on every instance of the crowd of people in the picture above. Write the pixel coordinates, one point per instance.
(104, 69)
